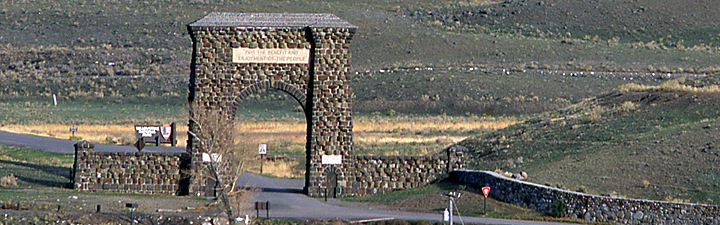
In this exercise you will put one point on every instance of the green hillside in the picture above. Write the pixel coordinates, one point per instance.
(106, 38)
(411, 56)
(653, 142)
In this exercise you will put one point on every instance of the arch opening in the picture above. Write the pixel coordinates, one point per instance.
(275, 117)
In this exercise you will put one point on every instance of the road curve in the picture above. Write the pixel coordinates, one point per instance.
(287, 201)
(67, 146)
(285, 195)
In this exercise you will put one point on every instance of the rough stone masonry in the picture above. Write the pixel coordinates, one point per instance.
(304, 55)
(308, 57)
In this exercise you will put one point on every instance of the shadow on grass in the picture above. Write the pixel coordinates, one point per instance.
(62, 172)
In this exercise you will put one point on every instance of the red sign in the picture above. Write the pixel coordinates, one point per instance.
(486, 191)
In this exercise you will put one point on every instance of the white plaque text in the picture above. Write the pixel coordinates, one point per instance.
(271, 55)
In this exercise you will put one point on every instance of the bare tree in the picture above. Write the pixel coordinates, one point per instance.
(214, 136)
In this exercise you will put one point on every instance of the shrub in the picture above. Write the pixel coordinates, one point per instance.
(128, 139)
(559, 209)
(110, 140)
(8, 181)
(628, 106)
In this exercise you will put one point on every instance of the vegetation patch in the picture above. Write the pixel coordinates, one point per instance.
(660, 135)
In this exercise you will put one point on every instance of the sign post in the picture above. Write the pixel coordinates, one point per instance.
(262, 150)
(262, 206)
(131, 206)
(486, 192)
(73, 130)
(452, 195)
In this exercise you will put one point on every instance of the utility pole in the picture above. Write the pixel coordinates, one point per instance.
(451, 211)
(452, 195)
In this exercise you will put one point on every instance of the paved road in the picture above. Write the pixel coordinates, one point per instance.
(285, 195)
(67, 146)
(287, 201)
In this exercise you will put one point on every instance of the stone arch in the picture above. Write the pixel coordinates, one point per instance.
(283, 86)
(304, 55)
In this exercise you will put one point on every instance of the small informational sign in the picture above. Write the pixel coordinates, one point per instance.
(262, 149)
(147, 130)
(166, 131)
(213, 157)
(156, 134)
(331, 159)
(486, 191)
(271, 55)
(73, 130)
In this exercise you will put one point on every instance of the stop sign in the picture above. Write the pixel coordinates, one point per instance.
(486, 191)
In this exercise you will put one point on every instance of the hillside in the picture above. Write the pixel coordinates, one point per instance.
(666, 22)
(409, 56)
(652, 142)
(116, 38)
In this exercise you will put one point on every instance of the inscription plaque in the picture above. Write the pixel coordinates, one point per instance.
(271, 55)
(331, 159)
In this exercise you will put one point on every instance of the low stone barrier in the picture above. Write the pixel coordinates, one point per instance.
(126, 172)
(142, 172)
(588, 207)
(381, 174)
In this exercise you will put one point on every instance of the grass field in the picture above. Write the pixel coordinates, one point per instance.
(432, 199)
(639, 141)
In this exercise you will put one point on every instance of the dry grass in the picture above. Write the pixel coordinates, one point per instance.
(388, 135)
(8, 181)
(671, 85)
(122, 134)
(379, 130)
(444, 123)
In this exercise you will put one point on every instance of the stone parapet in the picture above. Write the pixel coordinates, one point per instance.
(126, 172)
(381, 174)
(588, 207)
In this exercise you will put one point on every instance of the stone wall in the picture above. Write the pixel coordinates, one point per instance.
(381, 174)
(126, 172)
(589, 207)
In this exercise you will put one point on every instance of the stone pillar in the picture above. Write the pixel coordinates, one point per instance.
(457, 158)
(331, 110)
(82, 151)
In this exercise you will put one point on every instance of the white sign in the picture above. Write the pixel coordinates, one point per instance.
(331, 159)
(262, 149)
(147, 131)
(271, 55)
(215, 157)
